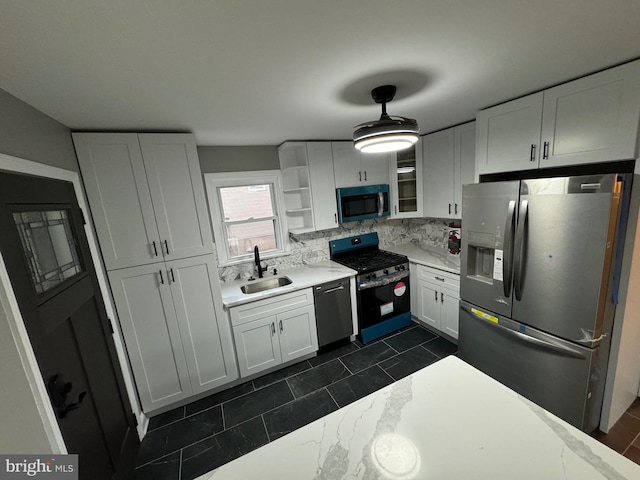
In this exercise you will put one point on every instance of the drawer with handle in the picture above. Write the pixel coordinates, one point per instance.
(439, 277)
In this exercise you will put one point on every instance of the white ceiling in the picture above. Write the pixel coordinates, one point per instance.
(259, 72)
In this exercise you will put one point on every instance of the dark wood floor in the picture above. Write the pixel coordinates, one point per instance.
(624, 437)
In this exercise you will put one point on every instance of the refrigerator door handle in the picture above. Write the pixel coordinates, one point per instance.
(518, 267)
(507, 264)
(562, 349)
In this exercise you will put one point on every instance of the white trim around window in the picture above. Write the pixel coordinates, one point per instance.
(214, 181)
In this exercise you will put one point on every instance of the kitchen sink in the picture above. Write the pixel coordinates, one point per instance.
(266, 284)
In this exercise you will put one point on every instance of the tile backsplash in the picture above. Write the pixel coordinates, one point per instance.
(314, 247)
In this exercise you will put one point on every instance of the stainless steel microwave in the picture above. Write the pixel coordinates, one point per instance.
(362, 203)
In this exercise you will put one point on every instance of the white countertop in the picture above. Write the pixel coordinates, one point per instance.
(429, 256)
(446, 421)
(302, 277)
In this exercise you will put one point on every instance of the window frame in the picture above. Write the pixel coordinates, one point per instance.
(215, 181)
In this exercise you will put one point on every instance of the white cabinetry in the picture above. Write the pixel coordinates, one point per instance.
(146, 195)
(437, 298)
(449, 163)
(353, 168)
(177, 338)
(147, 201)
(309, 186)
(274, 330)
(405, 173)
(589, 120)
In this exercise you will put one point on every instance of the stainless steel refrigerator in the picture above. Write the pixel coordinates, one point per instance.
(537, 286)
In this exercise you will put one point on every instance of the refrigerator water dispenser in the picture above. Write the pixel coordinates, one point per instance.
(481, 257)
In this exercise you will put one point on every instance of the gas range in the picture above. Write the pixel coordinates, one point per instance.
(374, 265)
(382, 284)
(361, 253)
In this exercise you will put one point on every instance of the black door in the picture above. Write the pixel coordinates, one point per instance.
(47, 256)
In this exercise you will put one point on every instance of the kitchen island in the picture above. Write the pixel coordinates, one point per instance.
(447, 420)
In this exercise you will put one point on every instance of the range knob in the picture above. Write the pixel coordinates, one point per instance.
(386, 271)
(400, 267)
(371, 276)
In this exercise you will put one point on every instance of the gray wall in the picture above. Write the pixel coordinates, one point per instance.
(28, 133)
(25, 133)
(238, 159)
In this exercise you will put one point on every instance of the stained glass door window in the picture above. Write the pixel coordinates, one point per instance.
(49, 247)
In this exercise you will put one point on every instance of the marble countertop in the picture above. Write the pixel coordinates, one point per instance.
(446, 421)
(302, 277)
(430, 256)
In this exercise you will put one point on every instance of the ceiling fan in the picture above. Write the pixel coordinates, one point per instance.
(389, 134)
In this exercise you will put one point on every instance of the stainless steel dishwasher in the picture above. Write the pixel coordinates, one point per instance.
(333, 311)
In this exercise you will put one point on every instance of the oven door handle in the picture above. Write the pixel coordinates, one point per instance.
(373, 283)
(380, 203)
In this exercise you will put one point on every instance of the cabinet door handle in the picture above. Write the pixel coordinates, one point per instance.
(166, 246)
(456, 208)
(360, 175)
(395, 209)
(281, 327)
(439, 278)
(449, 209)
(161, 277)
(273, 329)
(173, 278)
(365, 175)
(532, 156)
(436, 296)
(545, 151)
(155, 250)
(441, 297)
(335, 217)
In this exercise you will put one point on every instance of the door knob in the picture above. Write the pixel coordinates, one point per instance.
(58, 392)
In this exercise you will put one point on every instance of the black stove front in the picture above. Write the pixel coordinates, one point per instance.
(383, 293)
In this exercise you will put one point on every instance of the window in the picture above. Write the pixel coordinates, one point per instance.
(49, 247)
(244, 211)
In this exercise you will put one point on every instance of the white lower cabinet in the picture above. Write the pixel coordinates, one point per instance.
(437, 298)
(274, 330)
(179, 343)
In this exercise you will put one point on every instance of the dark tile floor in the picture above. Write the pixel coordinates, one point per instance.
(191, 440)
(184, 443)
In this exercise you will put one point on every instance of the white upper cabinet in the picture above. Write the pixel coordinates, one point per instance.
(177, 190)
(323, 185)
(309, 187)
(593, 119)
(405, 174)
(146, 196)
(509, 136)
(464, 162)
(449, 162)
(116, 184)
(589, 120)
(438, 171)
(354, 169)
